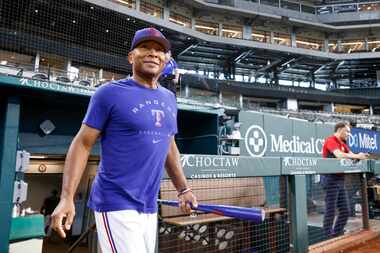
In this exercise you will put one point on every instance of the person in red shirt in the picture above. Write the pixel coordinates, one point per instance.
(336, 196)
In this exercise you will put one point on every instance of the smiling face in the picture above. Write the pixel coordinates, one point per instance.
(147, 59)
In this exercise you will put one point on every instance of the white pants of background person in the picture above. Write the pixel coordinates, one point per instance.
(126, 231)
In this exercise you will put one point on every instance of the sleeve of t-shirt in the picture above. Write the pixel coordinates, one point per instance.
(332, 145)
(98, 110)
(346, 147)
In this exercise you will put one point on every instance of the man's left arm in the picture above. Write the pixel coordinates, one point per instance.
(175, 172)
(360, 156)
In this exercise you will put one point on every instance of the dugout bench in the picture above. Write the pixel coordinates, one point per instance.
(179, 232)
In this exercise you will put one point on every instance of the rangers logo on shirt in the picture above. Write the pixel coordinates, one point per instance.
(158, 114)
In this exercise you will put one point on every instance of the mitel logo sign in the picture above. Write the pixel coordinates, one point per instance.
(362, 140)
(258, 142)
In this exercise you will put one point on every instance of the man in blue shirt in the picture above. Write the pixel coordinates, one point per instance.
(136, 122)
(170, 76)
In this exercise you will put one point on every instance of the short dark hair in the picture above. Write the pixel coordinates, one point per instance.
(340, 125)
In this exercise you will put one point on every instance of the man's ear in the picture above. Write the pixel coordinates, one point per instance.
(130, 57)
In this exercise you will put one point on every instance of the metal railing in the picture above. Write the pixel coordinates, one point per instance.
(50, 74)
(293, 183)
(348, 8)
(192, 95)
(321, 9)
(291, 191)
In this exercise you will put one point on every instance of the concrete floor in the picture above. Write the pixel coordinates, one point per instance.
(57, 245)
(364, 241)
(353, 224)
(372, 246)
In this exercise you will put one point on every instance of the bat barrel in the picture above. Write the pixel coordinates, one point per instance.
(256, 215)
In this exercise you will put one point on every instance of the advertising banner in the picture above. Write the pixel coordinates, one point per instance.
(272, 135)
(364, 140)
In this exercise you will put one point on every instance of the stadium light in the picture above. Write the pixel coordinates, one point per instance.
(352, 43)
(307, 43)
(205, 27)
(178, 22)
(257, 35)
(123, 2)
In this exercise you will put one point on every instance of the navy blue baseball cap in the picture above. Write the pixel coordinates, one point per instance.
(150, 34)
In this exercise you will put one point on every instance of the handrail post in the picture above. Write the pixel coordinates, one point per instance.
(365, 213)
(298, 213)
(9, 128)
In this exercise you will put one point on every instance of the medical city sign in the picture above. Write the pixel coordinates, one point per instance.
(258, 142)
(269, 135)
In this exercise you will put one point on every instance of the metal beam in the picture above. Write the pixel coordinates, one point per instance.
(290, 61)
(339, 65)
(216, 47)
(199, 60)
(322, 67)
(9, 125)
(259, 72)
(242, 56)
(284, 66)
(188, 48)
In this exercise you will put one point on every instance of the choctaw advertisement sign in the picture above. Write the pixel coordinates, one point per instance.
(216, 166)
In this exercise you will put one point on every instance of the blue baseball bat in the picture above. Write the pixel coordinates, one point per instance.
(256, 215)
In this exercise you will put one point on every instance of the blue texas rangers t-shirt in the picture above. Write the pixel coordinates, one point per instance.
(136, 125)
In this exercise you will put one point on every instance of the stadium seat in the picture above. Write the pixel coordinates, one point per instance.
(40, 76)
(85, 83)
(63, 79)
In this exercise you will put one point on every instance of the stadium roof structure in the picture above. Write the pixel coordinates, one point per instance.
(323, 2)
(275, 65)
(100, 36)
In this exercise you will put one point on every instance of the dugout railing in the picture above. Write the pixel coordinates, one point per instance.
(290, 189)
